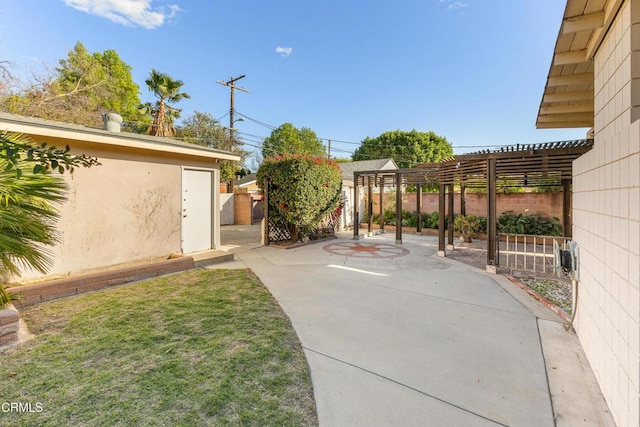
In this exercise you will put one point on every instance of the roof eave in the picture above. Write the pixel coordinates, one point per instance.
(52, 129)
(568, 98)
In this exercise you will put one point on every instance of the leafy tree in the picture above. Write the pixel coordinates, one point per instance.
(302, 190)
(27, 213)
(287, 139)
(203, 129)
(406, 148)
(166, 89)
(83, 86)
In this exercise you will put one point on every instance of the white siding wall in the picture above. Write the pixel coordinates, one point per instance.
(607, 222)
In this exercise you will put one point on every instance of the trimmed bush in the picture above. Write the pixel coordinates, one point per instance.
(302, 190)
(536, 224)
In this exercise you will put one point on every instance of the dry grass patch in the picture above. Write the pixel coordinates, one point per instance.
(197, 348)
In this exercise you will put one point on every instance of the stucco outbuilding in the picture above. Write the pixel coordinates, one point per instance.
(149, 198)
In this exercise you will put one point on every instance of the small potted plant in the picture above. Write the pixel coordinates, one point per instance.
(467, 225)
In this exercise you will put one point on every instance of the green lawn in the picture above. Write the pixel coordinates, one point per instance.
(205, 347)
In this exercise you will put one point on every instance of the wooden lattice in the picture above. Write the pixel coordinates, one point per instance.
(278, 231)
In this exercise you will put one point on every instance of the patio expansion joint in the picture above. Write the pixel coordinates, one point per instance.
(431, 396)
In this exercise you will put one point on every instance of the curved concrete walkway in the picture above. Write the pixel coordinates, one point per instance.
(395, 335)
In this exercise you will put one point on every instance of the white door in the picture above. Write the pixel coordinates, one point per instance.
(196, 210)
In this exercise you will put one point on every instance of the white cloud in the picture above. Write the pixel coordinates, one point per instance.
(458, 5)
(452, 5)
(130, 13)
(284, 51)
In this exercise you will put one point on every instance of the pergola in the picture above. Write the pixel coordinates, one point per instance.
(426, 175)
(546, 164)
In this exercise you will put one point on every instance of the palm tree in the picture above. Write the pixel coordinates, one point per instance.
(27, 221)
(166, 90)
(27, 202)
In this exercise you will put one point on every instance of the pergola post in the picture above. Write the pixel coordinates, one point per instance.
(398, 208)
(382, 204)
(441, 202)
(265, 209)
(491, 216)
(419, 208)
(370, 207)
(566, 207)
(463, 202)
(450, 217)
(356, 204)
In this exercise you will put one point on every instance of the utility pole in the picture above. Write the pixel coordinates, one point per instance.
(329, 153)
(231, 85)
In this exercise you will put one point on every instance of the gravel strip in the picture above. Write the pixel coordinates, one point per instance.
(557, 292)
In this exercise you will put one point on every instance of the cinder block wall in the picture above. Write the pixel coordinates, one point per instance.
(243, 209)
(606, 197)
(549, 204)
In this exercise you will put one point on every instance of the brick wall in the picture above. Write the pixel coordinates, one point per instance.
(549, 204)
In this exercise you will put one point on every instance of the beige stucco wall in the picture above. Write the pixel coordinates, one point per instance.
(128, 209)
(606, 196)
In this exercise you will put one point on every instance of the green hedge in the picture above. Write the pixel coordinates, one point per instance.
(302, 190)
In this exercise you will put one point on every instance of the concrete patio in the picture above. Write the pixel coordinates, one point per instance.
(395, 335)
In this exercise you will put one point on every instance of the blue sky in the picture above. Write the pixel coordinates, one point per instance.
(470, 70)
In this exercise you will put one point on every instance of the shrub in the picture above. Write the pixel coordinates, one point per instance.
(302, 190)
(467, 225)
(536, 224)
